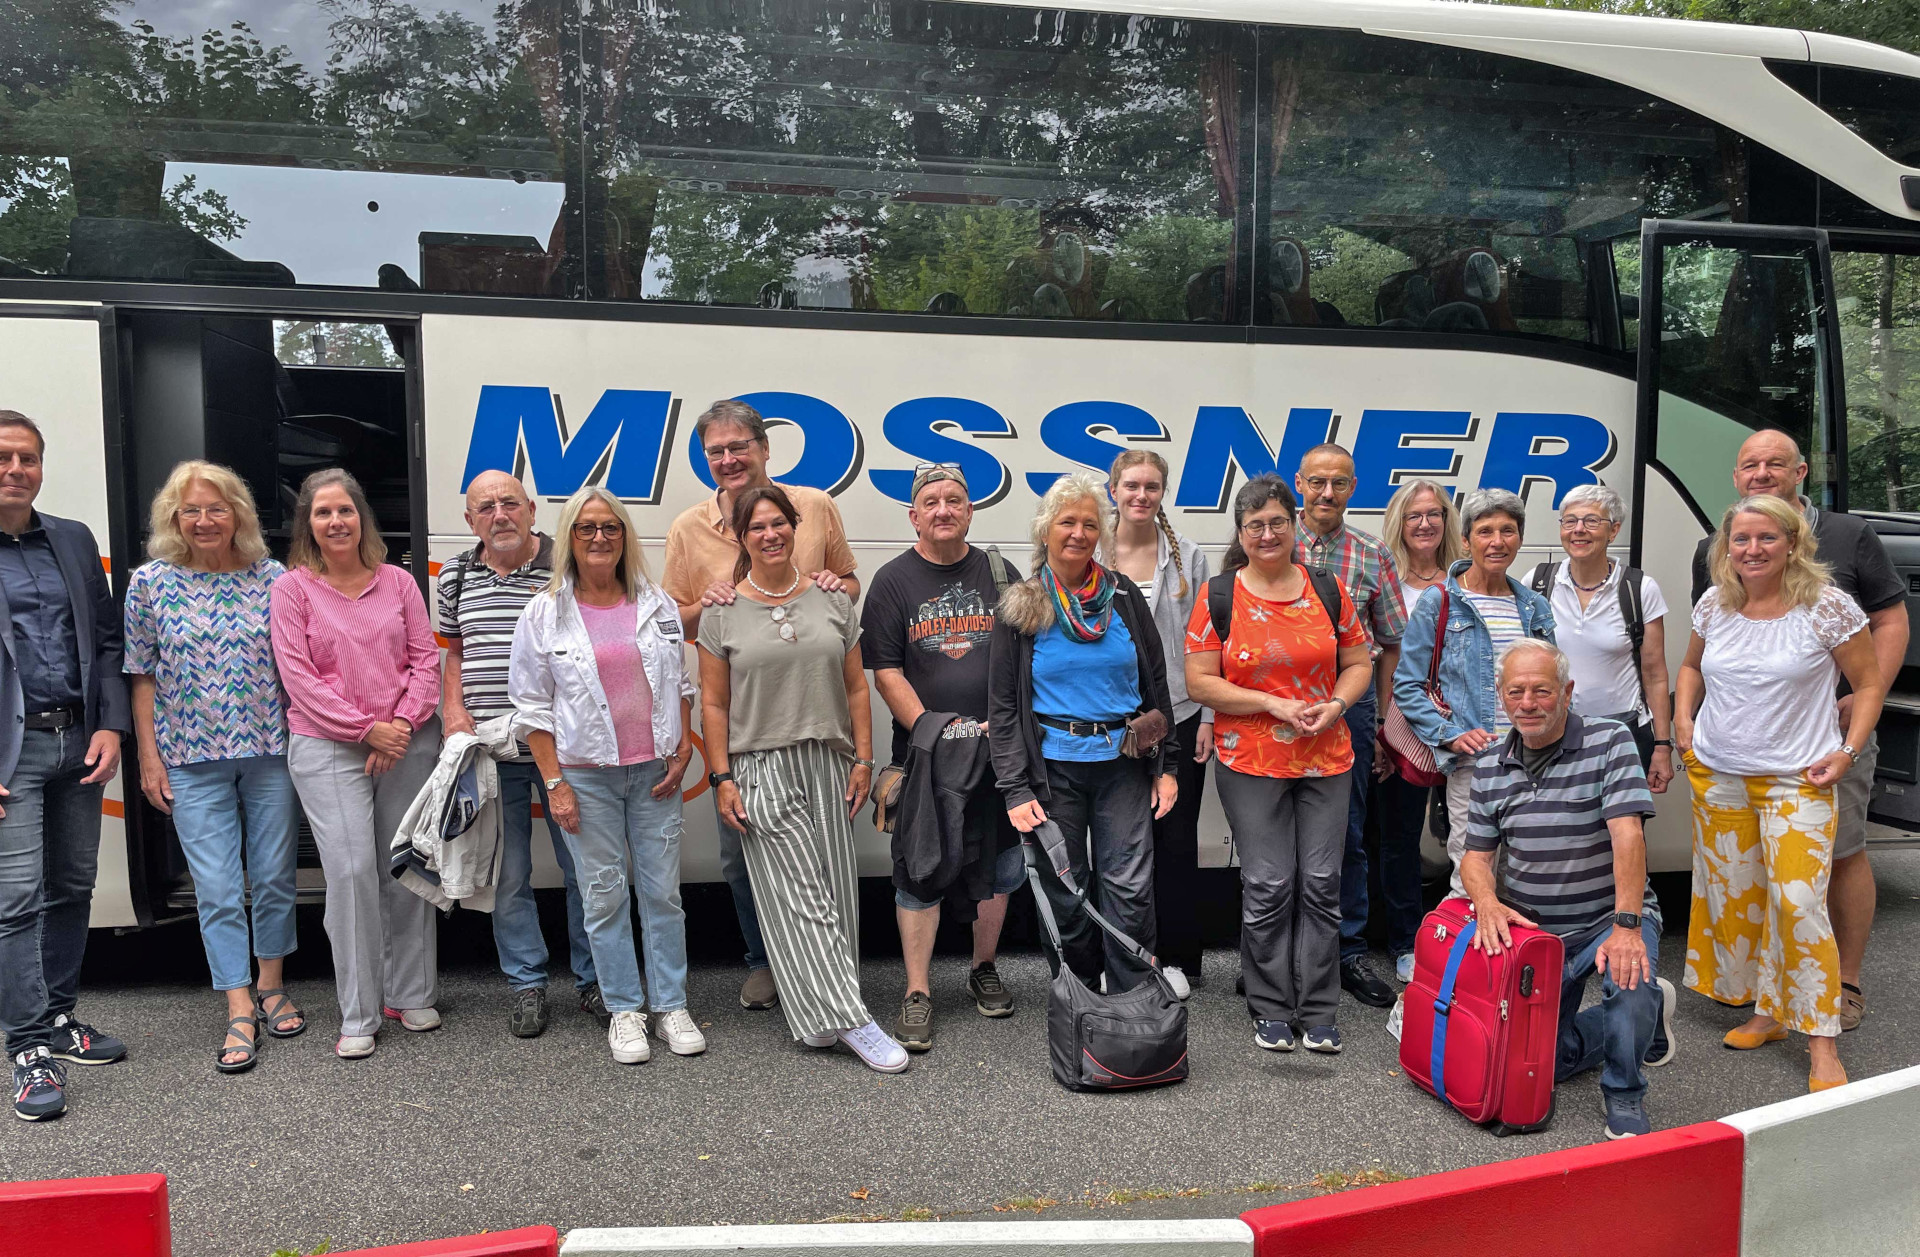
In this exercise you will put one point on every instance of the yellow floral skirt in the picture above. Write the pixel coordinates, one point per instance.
(1759, 931)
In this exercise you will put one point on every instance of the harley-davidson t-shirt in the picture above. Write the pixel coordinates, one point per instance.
(932, 621)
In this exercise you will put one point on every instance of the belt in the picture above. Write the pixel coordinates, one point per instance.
(57, 718)
(1084, 728)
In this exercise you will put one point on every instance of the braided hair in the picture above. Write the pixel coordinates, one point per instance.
(1134, 458)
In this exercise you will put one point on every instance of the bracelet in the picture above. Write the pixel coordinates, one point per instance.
(864, 763)
(1666, 742)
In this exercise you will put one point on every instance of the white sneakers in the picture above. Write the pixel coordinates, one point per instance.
(1177, 979)
(677, 1031)
(876, 1047)
(627, 1038)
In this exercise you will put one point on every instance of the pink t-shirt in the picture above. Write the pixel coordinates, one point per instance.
(349, 663)
(616, 655)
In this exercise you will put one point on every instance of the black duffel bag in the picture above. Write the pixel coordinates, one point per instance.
(1098, 1042)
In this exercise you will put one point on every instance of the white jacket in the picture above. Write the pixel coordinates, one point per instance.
(555, 683)
(466, 868)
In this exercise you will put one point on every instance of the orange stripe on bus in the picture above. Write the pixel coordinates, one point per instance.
(114, 808)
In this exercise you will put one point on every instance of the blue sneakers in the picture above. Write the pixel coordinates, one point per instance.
(1274, 1036)
(1626, 1115)
(39, 1086)
(1324, 1039)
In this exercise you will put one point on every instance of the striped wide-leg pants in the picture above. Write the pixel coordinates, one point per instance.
(800, 858)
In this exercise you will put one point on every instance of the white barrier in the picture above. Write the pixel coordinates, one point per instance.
(1208, 1237)
(1837, 1172)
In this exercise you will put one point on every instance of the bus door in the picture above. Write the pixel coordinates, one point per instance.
(275, 397)
(55, 361)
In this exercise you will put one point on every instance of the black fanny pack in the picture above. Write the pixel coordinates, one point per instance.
(1137, 1038)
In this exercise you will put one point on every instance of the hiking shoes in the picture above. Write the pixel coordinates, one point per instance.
(593, 1004)
(990, 994)
(528, 1018)
(1358, 979)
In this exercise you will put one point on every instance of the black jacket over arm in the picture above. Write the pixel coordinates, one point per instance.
(1019, 768)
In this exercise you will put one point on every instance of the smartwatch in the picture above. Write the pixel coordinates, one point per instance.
(1666, 742)
(1627, 920)
(714, 779)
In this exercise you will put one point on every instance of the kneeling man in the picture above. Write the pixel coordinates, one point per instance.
(1566, 798)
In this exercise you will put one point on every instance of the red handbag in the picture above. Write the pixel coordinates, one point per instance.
(1412, 758)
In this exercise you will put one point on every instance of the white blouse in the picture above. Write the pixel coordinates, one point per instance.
(1769, 708)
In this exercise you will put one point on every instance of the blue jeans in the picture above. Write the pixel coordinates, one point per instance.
(733, 867)
(1361, 721)
(516, 917)
(621, 823)
(49, 855)
(1615, 1032)
(220, 807)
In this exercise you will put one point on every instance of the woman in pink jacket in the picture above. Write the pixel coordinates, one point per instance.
(356, 653)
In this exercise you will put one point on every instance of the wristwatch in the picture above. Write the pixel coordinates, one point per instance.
(714, 779)
(553, 783)
(1627, 920)
(1851, 753)
(864, 763)
(1666, 742)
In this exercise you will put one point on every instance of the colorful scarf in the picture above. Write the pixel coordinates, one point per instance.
(1084, 613)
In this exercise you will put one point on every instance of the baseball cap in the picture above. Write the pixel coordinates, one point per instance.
(932, 473)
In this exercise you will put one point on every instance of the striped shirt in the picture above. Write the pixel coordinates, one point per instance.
(1367, 569)
(1501, 614)
(481, 609)
(1559, 853)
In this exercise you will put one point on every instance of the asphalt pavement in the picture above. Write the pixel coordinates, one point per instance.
(468, 1128)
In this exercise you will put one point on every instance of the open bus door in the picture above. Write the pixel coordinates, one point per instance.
(1739, 330)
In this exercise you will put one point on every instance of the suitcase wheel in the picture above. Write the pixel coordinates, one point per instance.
(1500, 1130)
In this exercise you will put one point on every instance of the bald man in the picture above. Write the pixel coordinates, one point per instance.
(482, 594)
(1770, 462)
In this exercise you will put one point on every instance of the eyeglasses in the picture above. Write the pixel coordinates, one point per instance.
(1320, 484)
(918, 468)
(213, 514)
(1272, 528)
(732, 449)
(1426, 517)
(489, 508)
(612, 530)
(1584, 523)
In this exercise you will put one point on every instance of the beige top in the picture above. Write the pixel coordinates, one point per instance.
(701, 548)
(784, 692)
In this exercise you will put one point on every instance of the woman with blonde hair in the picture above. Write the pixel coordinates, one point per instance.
(1754, 719)
(210, 722)
(1075, 656)
(1171, 573)
(601, 695)
(1422, 532)
(356, 652)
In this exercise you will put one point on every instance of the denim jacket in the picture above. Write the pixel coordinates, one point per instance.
(1467, 681)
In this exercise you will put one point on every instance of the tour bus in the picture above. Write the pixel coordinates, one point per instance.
(1501, 247)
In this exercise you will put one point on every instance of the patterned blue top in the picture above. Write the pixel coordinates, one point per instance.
(206, 640)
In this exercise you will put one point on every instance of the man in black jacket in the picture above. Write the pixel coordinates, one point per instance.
(924, 632)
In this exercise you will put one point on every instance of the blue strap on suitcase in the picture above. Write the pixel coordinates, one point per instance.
(1443, 1006)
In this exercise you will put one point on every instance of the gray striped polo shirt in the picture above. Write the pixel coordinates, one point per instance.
(1559, 854)
(482, 609)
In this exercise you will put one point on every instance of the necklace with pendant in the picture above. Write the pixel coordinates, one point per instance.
(779, 614)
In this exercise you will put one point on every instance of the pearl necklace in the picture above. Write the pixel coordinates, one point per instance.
(769, 593)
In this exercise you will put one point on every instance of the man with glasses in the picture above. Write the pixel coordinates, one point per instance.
(701, 549)
(1325, 483)
(924, 632)
(1770, 462)
(482, 594)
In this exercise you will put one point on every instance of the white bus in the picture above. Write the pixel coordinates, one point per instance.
(421, 240)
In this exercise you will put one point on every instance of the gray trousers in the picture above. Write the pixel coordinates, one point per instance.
(385, 946)
(1291, 833)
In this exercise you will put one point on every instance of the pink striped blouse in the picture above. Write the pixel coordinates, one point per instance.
(349, 663)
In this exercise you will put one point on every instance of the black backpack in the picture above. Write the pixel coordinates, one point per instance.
(1220, 600)
(1632, 610)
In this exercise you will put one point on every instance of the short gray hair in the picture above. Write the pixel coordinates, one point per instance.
(731, 410)
(1596, 495)
(1484, 502)
(1562, 666)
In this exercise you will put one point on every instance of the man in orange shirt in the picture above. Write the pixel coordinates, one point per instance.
(701, 549)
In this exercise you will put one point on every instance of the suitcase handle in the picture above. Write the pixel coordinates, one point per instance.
(1526, 981)
(1443, 1006)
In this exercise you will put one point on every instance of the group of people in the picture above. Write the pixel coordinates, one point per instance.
(1322, 671)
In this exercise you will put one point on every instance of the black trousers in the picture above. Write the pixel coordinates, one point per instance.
(1176, 860)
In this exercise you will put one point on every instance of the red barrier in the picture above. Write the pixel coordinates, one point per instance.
(125, 1216)
(528, 1241)
(1674, 1193)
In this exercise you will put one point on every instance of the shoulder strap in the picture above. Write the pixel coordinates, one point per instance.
(1439, 641)
(1542, 582)
(1633, 612)
(460, 566)
(1443, 1006)
(1327, 585)
(1047, 836)
(1002, 569)
(1220, 604)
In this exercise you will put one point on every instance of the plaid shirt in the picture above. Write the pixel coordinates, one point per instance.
(1366, 568)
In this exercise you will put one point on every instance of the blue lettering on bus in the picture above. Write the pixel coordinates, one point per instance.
(1517, 455)
(913, 428)
(1382, 453)
(630, 425)
(831, 448)
(1069, 432)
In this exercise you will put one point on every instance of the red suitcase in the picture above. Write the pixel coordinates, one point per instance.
(1481, 1031)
